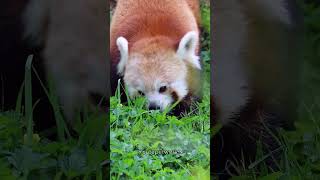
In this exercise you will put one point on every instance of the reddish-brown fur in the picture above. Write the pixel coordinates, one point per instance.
(140, 20)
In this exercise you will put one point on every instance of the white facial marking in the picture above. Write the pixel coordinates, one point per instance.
(133, 90)
(160, 100)
(180, 88)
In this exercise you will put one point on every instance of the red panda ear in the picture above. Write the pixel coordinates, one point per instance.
(122, 44)
(187, 48)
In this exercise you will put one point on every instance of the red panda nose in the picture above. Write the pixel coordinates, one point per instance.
(153, 106)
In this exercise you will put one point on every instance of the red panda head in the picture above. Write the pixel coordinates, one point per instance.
(156, 69)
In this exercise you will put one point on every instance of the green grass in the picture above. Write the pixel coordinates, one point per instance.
(25, 154)
(137, 135)
(301, 159)
(151, 144)
(154, 145)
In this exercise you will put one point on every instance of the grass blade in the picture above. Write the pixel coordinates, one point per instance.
(28, 100)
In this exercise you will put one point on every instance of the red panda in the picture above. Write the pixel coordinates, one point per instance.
(255, 77)
(74, 34)
(154, 47)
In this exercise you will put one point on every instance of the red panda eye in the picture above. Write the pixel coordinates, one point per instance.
(141, 93)
(162, 89)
